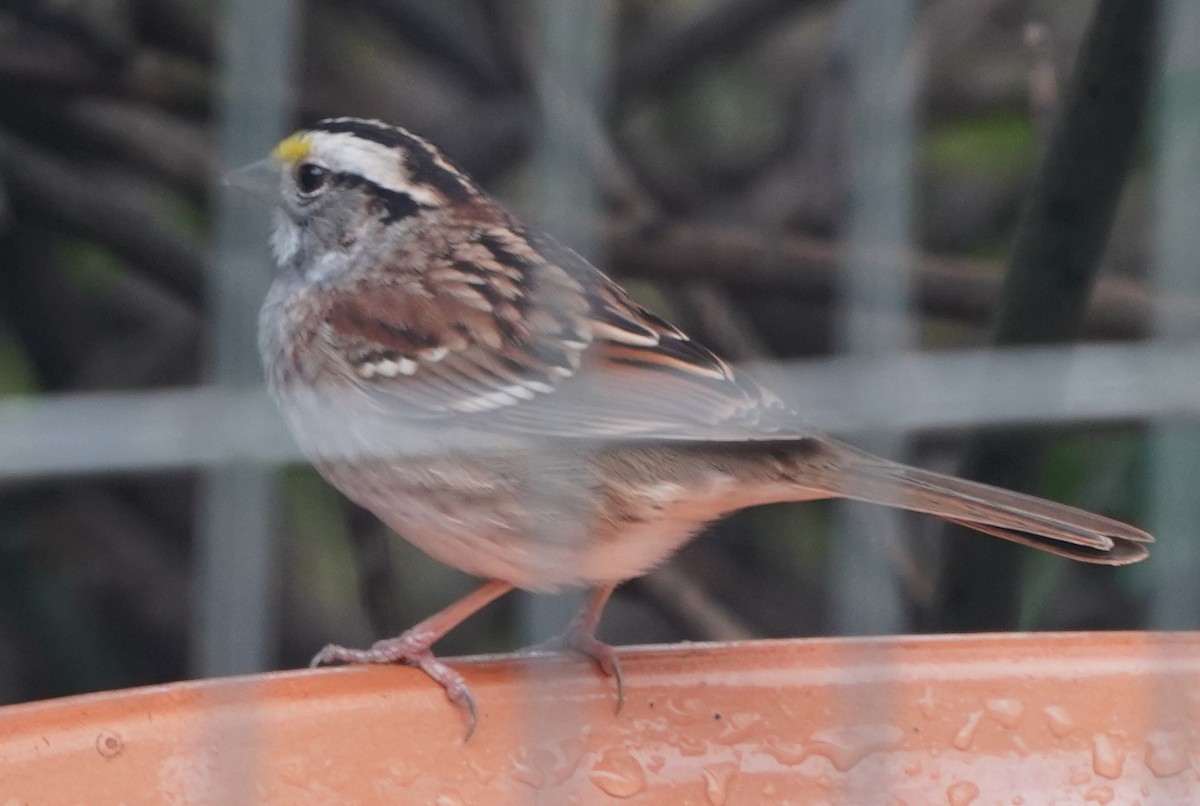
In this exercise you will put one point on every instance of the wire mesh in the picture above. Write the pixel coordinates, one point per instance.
(879, 387)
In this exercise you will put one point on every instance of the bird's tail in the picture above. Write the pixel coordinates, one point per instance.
(1026, 519)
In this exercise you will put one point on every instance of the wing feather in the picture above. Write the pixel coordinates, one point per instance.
(579, 359)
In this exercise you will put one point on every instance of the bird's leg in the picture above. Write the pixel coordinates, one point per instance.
(580, 635)
(413, 646)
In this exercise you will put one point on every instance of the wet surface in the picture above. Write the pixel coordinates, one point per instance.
(1108, 718)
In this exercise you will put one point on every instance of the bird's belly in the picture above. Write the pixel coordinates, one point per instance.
(540, 529)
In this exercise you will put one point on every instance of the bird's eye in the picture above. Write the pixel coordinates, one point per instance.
(310, 178)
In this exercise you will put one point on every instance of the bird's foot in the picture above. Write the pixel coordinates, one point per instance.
(412, 650)
(586, 644)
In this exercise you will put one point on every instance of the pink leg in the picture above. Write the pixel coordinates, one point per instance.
(412, 647)
(580, 635)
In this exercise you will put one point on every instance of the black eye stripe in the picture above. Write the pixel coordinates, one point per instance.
(395, 203)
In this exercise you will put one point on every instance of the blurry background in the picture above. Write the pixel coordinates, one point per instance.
(868, 189)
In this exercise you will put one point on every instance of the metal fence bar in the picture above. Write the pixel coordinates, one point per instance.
(206, 426)
(867, 592)
(1176, 455)
(234, 613)
(572, 68)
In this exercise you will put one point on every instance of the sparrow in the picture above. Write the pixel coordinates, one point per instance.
(506, 407)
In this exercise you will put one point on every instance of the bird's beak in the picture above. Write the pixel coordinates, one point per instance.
(260, 178)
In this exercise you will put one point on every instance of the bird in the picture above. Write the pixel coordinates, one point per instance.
(512, 411)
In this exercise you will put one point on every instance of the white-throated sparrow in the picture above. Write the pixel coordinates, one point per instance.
(510, 410)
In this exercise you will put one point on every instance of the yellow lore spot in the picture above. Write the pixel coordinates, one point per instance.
(292, 149)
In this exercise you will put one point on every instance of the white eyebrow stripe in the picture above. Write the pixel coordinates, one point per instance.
(382, 165)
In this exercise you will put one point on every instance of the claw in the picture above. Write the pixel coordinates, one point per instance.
(412, 648)
(605, 658)
(580, 636)
(463, 698)
(332, 653)
(456, 688)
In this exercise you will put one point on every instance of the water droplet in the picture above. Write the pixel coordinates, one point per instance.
(656, 762)
(532, 767)
(962, 793)
(618, 773)
(913, 769)
(739, 727)
(786, 752)
(1107, 758)
(1017, 800)
(484, 774)
(402, 774)
(927, 705)
(644, 726)
(689, 746)
(1059, 720)
(447, 800)
(1022, 748)
(966, 734)
(1079, 778)
(716, 782)
(849, 745)
(768, 790)
(1006, 711)
(685, 712)
(109, 743)
(1166, 754)
(1100, 794)
(564, 759)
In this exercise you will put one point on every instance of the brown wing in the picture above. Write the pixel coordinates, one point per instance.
(462, 337)
(523, 335)
(644, 378)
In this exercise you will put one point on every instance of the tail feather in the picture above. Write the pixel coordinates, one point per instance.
(1026, 519)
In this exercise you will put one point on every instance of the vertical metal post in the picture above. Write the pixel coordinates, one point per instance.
(572, 70)
(865, 587)
(1175, 560)
(237, 568)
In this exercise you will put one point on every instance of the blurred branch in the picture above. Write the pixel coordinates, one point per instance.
(1056, 257)
(105, 211)
(104, 29)
(724, 326)
(55, 67)
(505, 28)
(714, 315)
(663, 58)
(33, 292)
(955, 288)
(167, 148)
(679, 597)
(122, 563)
(376, 583)
(444, 35)
(181, 26)
(1043, 81)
